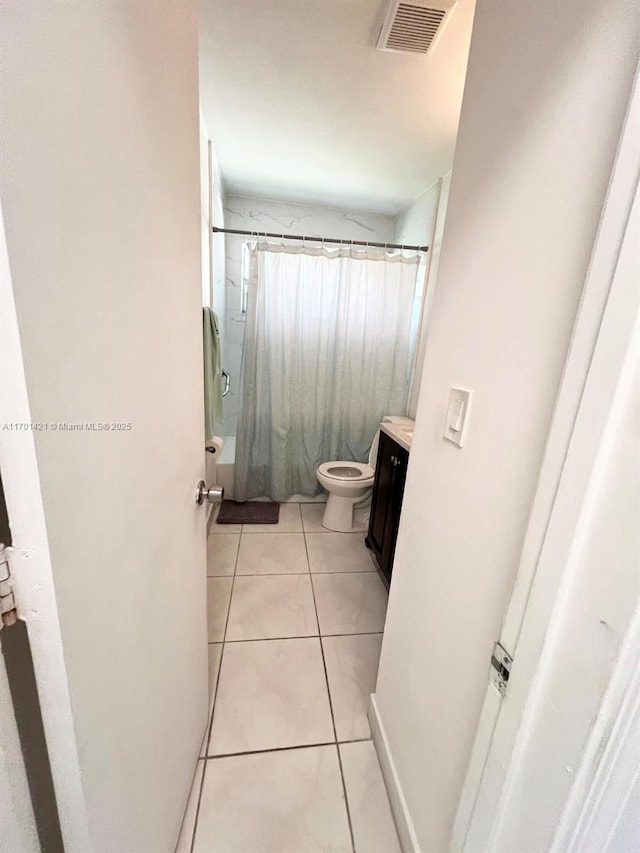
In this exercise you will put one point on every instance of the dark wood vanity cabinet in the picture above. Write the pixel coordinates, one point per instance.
(386, 501)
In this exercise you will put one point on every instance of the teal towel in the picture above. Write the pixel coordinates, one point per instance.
(212, 373)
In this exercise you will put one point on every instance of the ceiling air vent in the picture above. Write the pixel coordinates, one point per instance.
(414, 27)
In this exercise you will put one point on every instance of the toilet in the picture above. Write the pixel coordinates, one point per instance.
(349, 484)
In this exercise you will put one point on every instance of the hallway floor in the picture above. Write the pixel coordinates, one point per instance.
(295, 627)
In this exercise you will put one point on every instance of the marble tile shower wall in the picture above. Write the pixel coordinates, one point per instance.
(264, 215)
(218, 246)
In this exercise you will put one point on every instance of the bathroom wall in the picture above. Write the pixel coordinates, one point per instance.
(218, 245)
(213, 252)
(422, 224)
(205, 216)
(414, 225)
(534, 154)
(277, 217)
(212, 213)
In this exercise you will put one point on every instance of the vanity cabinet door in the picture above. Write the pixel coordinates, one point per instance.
(386, 503)
(400, 457)
(381, 497)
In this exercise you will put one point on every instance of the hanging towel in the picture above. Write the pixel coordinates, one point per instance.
(212, 373)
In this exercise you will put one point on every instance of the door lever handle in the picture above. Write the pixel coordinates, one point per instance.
(213, 495)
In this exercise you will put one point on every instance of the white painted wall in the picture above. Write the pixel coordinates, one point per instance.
(213, 253)
(100, 192)
(205, 217)
(211, 213)
(423, 224)
(219, 245)
(414, 225)
(533, 158)
(259, 214)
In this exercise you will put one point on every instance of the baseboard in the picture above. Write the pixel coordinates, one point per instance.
(404, 824)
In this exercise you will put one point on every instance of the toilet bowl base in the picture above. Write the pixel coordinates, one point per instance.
(338, 513)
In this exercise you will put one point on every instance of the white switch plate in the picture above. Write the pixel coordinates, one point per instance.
(457, 415)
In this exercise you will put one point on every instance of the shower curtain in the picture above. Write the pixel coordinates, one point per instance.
(329, 345)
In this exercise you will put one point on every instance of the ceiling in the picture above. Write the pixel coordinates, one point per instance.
(301, 106)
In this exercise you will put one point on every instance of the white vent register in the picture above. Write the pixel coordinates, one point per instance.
(414, 27)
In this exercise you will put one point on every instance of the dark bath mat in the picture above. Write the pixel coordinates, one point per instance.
(249, 512)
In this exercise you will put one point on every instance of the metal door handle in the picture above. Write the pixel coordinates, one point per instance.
(213, 495)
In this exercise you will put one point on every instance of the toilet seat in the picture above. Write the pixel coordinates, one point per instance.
(347, 472)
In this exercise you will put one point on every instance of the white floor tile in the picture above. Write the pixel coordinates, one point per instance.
(218, 595)
(205, 742)
(274, 802)
(271, 693)
(312, 517)
(272, 606)
(371, 819)
(272, 554)
(188, 822)
(338, 552)
(215, 656)
(352, 669)
(354, 603)
(222, 551)
(289, 521)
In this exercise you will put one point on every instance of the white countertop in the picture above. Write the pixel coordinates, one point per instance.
(402, 433)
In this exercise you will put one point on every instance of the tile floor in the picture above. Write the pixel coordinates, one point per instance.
(295, 628)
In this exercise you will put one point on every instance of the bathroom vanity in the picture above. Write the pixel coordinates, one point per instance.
(388, 489)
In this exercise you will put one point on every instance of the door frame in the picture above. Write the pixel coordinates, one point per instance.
(590, 378)
(32, 573)
(17, 820)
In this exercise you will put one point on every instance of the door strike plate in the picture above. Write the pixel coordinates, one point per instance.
(501, 662)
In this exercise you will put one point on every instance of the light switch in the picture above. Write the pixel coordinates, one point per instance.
(457, 415)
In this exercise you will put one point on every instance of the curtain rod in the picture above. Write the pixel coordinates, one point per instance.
(217, 230)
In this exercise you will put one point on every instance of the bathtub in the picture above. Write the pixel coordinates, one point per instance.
(221, 473)
(224, 465)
